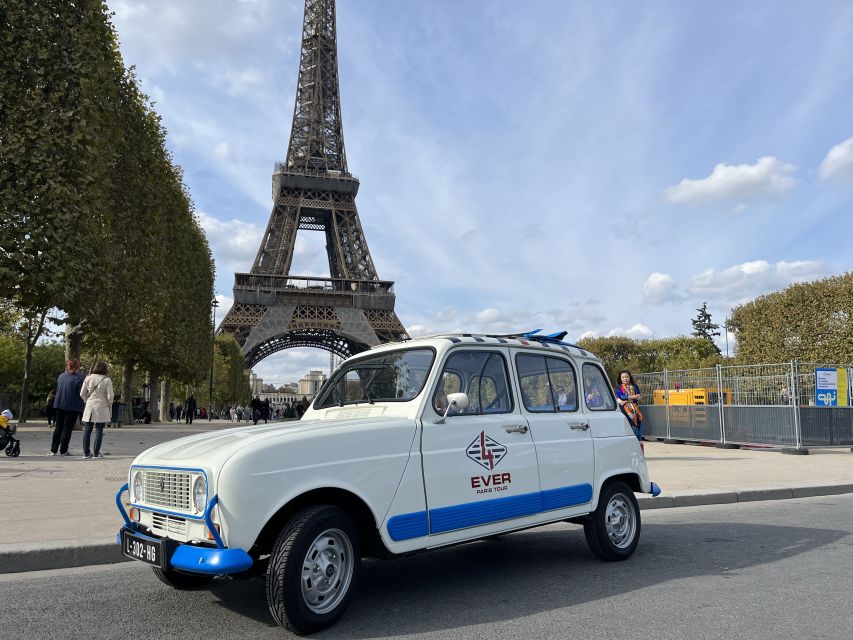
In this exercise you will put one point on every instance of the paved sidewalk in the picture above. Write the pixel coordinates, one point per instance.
(60, 512)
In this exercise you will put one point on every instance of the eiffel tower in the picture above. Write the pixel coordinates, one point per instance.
(352, 310)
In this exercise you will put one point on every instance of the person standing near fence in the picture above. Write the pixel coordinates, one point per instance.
(628, 397)
(67, 405)
(97, 391)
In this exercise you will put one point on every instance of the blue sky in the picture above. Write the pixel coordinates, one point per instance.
(598, 167)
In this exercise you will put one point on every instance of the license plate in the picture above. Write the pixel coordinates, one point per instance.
(149, 551)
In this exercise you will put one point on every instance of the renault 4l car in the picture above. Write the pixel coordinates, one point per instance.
(407, 447)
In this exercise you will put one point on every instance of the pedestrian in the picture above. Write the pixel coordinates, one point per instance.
(265, 410)
(189, 408)
(256, 406)
(171, 411)
(97, 391)
(68, 405)
(179, 411)
(49, 411)
(628, 397)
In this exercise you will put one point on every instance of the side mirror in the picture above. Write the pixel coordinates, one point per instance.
(456, 401)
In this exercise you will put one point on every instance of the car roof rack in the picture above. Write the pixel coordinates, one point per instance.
(554, 338)
(546, 339)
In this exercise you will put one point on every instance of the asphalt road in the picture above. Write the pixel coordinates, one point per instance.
(779, 570)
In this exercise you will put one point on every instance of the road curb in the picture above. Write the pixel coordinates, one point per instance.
(18, 558)
(15, 558)
(747, 495)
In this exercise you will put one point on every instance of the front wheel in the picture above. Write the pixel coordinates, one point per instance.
(313, 569)
(613, 529)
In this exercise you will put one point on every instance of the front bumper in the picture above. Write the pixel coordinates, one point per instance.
(192, 558)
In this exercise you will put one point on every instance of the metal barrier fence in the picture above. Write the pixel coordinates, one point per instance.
(771, 404)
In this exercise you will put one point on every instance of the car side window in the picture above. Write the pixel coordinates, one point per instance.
(596, 390)
(563, 385)
(547, 384)
(480, 374)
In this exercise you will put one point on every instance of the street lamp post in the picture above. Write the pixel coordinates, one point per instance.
(213, 304)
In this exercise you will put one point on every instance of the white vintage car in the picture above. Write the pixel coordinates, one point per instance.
(408, 446)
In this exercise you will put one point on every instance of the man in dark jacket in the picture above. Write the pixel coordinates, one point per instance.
(68, 405)
(189, 408)
(256, 406)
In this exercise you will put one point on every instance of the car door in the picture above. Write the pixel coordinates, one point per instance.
(550, 400)
(479, 464)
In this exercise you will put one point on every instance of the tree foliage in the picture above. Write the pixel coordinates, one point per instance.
(810, 322)
(704, 327)
(97, 222)
(641, 356)
(48, 361)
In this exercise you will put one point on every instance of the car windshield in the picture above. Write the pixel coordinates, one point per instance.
(393, 376)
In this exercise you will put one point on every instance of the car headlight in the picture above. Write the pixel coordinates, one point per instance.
(137, 486)
(200, 493)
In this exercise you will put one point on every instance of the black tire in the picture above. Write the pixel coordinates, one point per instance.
(305, 534)
(182, 581)
(614, 536)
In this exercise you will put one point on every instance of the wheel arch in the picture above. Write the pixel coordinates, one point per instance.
(630, 478)
(345, 500)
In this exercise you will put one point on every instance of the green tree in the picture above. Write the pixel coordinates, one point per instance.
(811, 322)
(641, 356)
(704, 326)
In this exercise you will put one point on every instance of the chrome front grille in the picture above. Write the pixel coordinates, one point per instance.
(168, 489)
(163, 524)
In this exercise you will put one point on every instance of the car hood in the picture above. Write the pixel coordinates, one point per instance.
(210, 450)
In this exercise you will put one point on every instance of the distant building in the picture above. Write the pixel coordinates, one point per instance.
(286, 394)
(256, 384)
(311, 383)
(289, 393)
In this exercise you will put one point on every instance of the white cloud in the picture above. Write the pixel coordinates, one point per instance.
(240, 82)
(660, 288)
(731, 184)
(637, 332)
(233, 243)
(743, 281)
(838, 163)
(575, 318)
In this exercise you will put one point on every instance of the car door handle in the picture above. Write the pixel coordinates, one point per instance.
(579, 426)
(522, 428)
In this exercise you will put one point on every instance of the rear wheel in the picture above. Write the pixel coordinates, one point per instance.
(182, 581)
(613, 529)
(313, 569)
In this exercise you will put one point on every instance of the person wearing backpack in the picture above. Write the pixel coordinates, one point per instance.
(97, 392)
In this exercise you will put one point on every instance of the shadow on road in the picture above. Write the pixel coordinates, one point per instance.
(531, 572)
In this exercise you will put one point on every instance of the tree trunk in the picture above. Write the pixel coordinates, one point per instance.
(25, 384)
(33, 334)
(152, 379)
(73, 338)
(165, 399)
(127, 392)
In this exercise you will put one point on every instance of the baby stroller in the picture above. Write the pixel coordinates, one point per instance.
(7, 432)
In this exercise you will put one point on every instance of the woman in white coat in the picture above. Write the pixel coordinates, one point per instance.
(97, 391)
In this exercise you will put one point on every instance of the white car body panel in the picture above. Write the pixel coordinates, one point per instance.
(415, 476)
